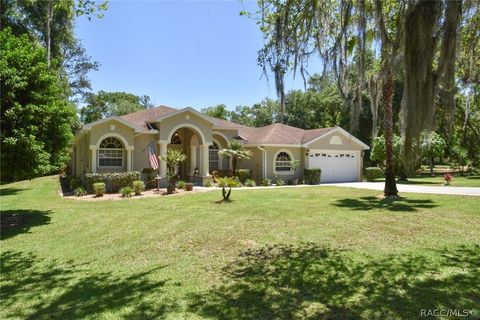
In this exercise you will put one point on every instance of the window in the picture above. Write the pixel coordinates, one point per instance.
(213, 157)
(110, 153)
(176, 139)
(282, 162)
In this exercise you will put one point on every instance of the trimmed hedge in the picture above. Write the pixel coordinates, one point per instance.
(312, 176)
(114, 181)
(372, 173)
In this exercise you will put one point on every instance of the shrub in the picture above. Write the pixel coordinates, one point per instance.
(149, 175)
(208, 183)
(138, 187)
(244, 174)
(181, 184)
(372, 173)
(312, 176)
(278, 182)
(99, 189)
(221, 173)
(80, 192)
(113, 180)
(266, 182)
(250, 183)
(126, 192)
(74, 183)
(448, 177)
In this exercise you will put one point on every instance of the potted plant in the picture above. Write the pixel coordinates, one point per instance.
(188, 186)
(294, 164)
(173, 157)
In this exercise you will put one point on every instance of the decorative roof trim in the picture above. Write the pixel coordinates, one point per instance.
(115, 118)
(342, 131)
(197, 113)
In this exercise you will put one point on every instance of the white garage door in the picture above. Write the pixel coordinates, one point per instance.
(337, 166)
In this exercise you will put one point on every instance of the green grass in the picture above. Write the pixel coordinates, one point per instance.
(285, 253)
(458, 180)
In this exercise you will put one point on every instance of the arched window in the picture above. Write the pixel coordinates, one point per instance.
(110, 153)
(213, 157)
(176, 139)
(282, 161)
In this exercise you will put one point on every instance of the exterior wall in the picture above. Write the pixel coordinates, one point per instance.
(98, 131)
(347, 144)
(182, 120)
(140, 153)
(298, 153)
(224, 136)
(255, 163)
(82, 156)
(115, 128)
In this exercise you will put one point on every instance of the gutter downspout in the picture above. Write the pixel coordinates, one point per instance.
(264, 161)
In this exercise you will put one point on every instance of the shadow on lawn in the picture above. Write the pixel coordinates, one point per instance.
(14, 222)
(308, 281)
(368, 203)
(52, 291)
(10, 191)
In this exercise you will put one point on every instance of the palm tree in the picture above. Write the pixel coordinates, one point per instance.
(172, 157)
(235, 151)
(226, 182)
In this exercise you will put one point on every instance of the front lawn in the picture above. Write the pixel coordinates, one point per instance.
(286, 253)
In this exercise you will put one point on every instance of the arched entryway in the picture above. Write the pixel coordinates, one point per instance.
(191, 141)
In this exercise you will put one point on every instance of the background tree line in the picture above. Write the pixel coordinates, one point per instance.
(427, 49)
(44, 76)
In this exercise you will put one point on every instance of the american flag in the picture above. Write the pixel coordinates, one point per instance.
(152, 158)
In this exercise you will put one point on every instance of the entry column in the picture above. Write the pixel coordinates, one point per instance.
(163, 164)
(94, 148)
(205, 160)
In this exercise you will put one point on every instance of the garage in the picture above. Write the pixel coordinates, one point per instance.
(337, 166)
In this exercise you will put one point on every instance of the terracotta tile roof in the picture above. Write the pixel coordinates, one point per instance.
(272, 134)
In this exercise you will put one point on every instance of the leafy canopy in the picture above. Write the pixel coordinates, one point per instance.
(35, 118)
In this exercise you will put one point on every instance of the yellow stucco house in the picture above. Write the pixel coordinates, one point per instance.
(121, 144)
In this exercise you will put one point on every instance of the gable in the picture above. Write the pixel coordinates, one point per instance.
(111, 126)
(337, 139)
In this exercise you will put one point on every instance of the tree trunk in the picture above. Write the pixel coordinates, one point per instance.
(431, 167)
(49, 37)
(390, 183)
(234, 165)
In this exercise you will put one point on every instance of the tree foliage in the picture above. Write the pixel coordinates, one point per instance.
(35, 118)
(106, 104)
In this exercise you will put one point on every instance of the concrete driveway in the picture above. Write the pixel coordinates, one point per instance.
(459, 191)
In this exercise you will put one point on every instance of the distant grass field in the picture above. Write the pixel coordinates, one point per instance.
(286, 253)
(458, 180)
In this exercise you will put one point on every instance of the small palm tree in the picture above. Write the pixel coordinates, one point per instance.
(226, 182)
(173, 157)
(235, 151)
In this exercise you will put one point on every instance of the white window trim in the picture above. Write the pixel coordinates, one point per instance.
(219, 167)
(99, 150)
(282, 173)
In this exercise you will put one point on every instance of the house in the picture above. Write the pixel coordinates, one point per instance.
(122, 144)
